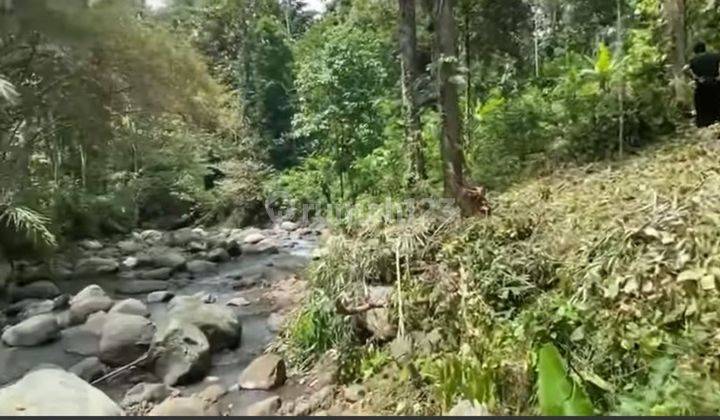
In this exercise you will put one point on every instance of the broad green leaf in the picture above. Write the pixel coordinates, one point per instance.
(558, 394)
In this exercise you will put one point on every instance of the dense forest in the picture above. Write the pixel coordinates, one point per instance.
(517, 214)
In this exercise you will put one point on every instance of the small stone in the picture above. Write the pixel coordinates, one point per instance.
(130, 262)
(95, 266)
(61, 302)
(129, 247)
(238, 301)
(90, 245)
(289, 226)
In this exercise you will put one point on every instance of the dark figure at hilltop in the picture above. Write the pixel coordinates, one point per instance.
(705, 68)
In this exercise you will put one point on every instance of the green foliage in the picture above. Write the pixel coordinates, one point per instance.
(558, 394)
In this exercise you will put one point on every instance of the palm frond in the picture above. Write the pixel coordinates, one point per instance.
(25, 221)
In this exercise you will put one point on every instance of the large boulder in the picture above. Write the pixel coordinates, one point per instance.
(54, 392)
(151, 236)
(96, 266)
(144, 392)
(89, 369)
(266, 372)
(219, 323)
(32, 332)
(183, 353)
(125, 338)
(184, 406)
(131, 307)
(42, 289)
(139, 287)
(88, 301)
(84, 339)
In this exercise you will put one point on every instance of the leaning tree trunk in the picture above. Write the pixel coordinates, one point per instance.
(408, 51)
(470, 200)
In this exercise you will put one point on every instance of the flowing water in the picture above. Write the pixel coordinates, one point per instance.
(266, 269)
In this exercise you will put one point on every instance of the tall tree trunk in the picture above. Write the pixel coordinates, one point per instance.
(408, 51)
(675, 18)
(446, 39)
(470, 200)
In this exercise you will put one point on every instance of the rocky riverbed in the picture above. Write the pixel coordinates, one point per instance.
(160, 323)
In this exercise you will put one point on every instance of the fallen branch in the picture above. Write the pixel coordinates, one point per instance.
(145, 357)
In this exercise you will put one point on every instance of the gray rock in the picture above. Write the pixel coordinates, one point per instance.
(253, 238)
(151, 236)
(37, 308)
(89, 369)
(219, 255)
(84, 339)
(219, 323)
(90, 245)
(61, 302)
(96, 266)
(289, 226)
(131, 307)
(266, 372)
(264, 247)
(42, 289)
(212, 393)
(201, 266)
(185, 353)
(54, 392)
(265, 408)
(182, 237)
(88, 301)
(130, 263)
(183, 406)
(275, 322)
(129, 247)
(172, 260)
(467, 408)
(32, 332)
(145, 392)
(233, 248)
(238, 301)
(354, 393)
(162, 273)
(161, 296)
(138, 287)
(197, 246)
(125, 338)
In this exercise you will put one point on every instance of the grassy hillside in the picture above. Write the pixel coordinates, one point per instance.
(616, 265)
